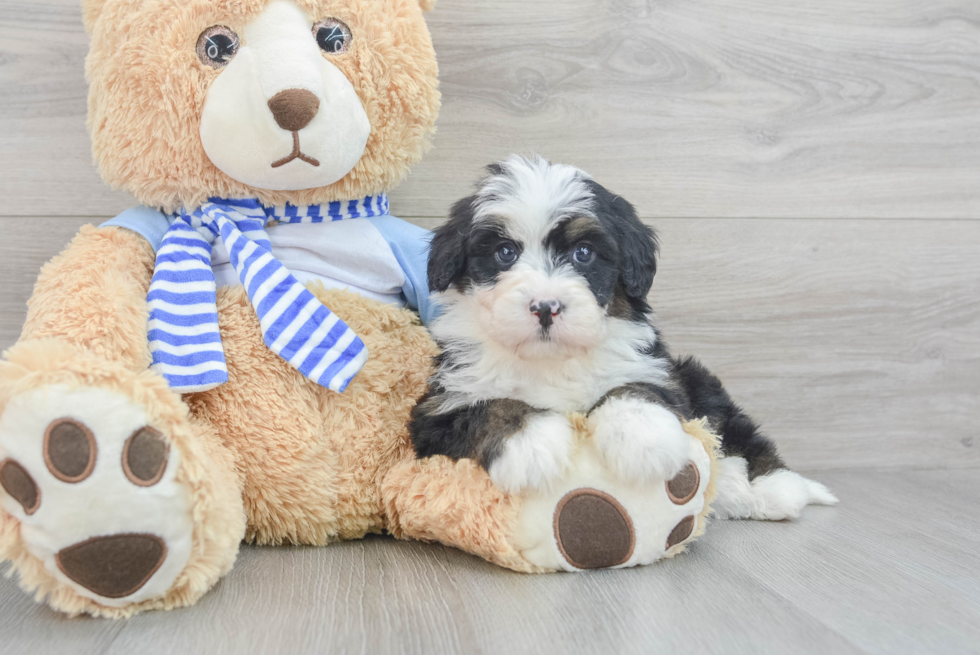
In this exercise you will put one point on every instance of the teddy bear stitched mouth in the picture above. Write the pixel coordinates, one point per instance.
(295, 154)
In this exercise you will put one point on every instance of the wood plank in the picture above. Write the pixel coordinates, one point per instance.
(844, 580)
(879, 571)
(816, 108)
(31, 628)
(855, 343)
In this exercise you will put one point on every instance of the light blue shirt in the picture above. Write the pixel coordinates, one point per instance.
(409, 244)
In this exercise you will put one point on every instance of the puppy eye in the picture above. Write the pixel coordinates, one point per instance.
(583, 255)
(506, 254)
(333, 36)
(217, 46)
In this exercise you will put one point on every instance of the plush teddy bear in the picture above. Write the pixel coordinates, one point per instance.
(238, 358)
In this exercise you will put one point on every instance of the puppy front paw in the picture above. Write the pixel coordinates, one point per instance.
(640, 440)
(533, 457)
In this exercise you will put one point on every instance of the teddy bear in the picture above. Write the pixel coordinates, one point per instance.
(238, 358)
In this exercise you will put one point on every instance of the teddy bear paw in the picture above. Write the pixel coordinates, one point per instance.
(95, 489)
(535, 456)
(640, 440)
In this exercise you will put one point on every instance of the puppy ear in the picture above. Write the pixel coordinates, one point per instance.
(447, 252)
(640, 248)
(638, 244)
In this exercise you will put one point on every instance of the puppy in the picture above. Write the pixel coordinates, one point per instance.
(544, 276)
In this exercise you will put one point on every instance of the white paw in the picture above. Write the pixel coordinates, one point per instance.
(535, 456)
(640, 440)
(95, 491)
(776, 496)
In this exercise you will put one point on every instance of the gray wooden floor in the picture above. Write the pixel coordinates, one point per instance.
(814, 169)
(893, 569)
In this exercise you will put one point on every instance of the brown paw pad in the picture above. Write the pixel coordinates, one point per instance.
(145, 457)
(17, 482)
(593, 530)
(69, 450)
(684, 486)
(115, 566)
(680, 532)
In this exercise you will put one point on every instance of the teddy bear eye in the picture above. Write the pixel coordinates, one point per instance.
(217, 46)
(333, 36)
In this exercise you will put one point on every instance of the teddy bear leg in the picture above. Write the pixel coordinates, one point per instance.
(112, 498)
(457, 504)
(591, 516)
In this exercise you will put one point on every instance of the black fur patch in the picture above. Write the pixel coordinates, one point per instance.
(740, 435)
(448, 249)
(478, 431)
(638, 242)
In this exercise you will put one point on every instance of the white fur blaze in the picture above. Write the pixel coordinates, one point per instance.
(112, 521)
(776, 496)
(535, 456)
(639, 439)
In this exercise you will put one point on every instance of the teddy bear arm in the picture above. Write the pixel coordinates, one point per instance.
(92, 296)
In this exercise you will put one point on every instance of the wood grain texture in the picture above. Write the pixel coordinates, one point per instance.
(883, 572)
(815, 108)
(855, 343)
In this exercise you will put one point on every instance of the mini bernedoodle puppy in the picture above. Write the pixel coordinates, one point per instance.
(544, 277)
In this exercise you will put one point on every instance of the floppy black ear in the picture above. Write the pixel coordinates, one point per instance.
(638, 243)
(447, 253)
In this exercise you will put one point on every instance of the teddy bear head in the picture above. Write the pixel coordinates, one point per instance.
(298, 101)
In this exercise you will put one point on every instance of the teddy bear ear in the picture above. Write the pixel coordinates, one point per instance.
(90, 12)
(427, 5)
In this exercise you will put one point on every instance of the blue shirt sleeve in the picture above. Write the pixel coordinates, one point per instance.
(410, 245)
(151, 224)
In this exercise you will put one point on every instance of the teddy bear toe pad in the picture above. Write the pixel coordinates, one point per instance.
(592, 530)
(95, 490)
(592, 518)
(115, 566)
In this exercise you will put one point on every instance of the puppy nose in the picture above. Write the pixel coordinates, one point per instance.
(546, 311)
(293, 109)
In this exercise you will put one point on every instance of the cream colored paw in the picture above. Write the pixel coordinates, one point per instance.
(640, 440)
(592, 517)
(94, 488)
(535, 456)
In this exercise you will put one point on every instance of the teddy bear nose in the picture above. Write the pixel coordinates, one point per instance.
(293, 109)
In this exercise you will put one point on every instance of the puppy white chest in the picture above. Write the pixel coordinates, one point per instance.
(563, 384)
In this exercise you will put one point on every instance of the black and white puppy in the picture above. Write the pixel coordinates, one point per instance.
(544, 277)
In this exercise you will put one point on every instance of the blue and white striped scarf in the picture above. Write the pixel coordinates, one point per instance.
(183, 329)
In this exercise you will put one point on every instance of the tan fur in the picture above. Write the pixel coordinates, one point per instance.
(92, 296)
(312, 459)
(147, 90)
(712, 443)
(454, 503)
